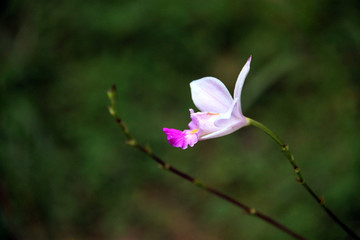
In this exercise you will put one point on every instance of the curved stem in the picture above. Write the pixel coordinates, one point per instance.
(132, 142)
(285, 149)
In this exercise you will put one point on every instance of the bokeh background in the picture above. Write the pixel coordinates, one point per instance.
(66, 173)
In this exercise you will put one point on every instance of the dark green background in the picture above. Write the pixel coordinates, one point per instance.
(66, 172)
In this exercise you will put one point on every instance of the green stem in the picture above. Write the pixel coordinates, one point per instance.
(132, 142)
(285, 149)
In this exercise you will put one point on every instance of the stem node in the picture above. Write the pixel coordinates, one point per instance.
(131, 142)
(301, 181)
(198, 183)
(252, 211)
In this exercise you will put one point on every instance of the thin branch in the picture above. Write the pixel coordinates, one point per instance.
(300, 179)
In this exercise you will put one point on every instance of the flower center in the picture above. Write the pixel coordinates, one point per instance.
(194, 131)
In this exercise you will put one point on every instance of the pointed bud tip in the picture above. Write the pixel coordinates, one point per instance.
(111, 92)
(111, 111)
(250, 58)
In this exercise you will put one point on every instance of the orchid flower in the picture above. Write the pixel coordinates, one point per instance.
(220, 114)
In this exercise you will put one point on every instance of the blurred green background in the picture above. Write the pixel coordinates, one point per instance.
(66, 173)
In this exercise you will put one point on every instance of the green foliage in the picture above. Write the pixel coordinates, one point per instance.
(65, 171)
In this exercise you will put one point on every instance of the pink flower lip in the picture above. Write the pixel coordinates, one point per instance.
(182, 139)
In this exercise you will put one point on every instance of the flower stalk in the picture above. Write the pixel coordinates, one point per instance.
(133, 143)
(300, 179)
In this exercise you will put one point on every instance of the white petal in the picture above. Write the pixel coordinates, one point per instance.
(227, 130)
(241, 79)
(209, 94)
(220, 133)
(230, 117)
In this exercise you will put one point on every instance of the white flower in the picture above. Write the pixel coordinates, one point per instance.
(220, 113)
